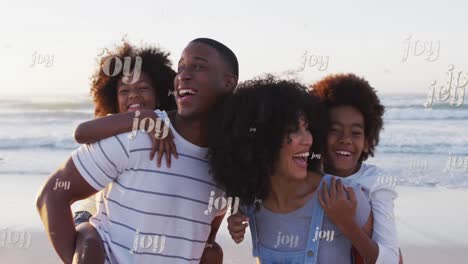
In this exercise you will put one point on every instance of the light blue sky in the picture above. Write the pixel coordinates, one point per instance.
(364, 37)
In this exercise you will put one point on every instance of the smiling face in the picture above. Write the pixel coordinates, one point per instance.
(137, 96)
(292, 162)
(345, 140)
(202, 76)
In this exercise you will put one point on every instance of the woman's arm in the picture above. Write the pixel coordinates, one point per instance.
(104, 127)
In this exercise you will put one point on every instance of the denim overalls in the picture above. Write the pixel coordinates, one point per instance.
(309, 256)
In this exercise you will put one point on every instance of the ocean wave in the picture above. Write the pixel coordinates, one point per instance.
(426, 114)
(434, 148)
(23, 172)
(51, 102)
(67, 143)
(416, 102)
(39, 115)
(51, 106)
(435, 106)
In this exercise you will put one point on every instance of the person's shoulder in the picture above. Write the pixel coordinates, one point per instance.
(345, 181)
(368, 176)
(124, 141)
(369, 170)
(375, 178)
(361, 194)
(352, 184)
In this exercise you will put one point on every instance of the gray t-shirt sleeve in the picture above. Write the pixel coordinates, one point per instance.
(363, 208)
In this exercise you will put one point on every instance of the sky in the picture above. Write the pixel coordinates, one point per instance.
(50, 47)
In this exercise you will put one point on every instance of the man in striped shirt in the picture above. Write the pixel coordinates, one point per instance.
(148, 214)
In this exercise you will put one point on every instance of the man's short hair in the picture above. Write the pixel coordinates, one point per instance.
(225, 52)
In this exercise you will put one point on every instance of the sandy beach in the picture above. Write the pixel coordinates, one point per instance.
(41, 252)
(430, 225)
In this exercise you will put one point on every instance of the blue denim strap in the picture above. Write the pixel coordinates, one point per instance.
(311, 252)
(250, 211)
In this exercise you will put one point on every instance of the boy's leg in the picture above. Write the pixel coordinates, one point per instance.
(89, 247)
(81, 217)
(212, 255)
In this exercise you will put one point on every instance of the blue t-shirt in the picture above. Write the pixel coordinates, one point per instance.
(289, 232)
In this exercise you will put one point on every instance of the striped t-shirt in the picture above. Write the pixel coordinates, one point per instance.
(148, 214)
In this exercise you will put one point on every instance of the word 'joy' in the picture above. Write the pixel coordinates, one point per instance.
(147, 128)
(65, 185)
(455, 162)
(220, 203)
(418, 165)
(315, 156)
(11, 239)
(322, 234)
(418, 48)
(417, 168)
(288, 240)
(390, 181)
(126, 68)
(45, 59)
(314, 60)
(452, 92)
(156, 242)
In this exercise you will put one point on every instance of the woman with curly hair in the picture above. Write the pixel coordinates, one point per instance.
(261, 151)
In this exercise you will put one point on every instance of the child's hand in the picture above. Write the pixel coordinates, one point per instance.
(340, 209)
(162, 145)
(236, 226)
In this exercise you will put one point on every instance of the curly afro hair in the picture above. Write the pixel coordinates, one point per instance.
(349, 89)
(155, 63)
(256, 119)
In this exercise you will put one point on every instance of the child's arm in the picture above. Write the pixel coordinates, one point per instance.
(104, 127)
(367, 228)
(213, 253)
(385, 231)
(341, 210)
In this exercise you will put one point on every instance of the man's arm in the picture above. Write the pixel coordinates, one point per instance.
(89, 169)
(53, 204)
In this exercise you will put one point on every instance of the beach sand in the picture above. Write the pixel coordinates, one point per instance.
(430, 225)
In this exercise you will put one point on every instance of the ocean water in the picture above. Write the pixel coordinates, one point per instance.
(36, 135)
